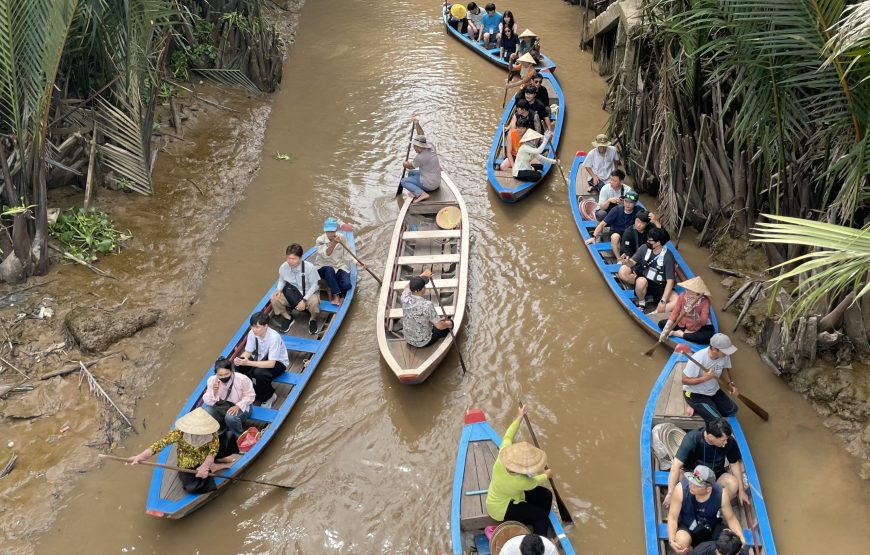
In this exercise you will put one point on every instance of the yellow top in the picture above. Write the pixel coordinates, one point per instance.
(188, 455)
(506, 487)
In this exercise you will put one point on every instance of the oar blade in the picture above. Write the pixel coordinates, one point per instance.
(754, 407)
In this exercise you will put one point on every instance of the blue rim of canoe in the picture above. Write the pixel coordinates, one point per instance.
(514, 194)
(608, 271)
(161, 507)
(478, 429)
(655, 531)
(492, 54)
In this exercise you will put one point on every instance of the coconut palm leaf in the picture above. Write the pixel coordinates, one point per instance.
(839, 265)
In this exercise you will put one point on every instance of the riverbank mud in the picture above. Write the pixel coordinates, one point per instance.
(56, 427)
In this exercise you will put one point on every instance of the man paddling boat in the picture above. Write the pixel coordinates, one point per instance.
(425, 174)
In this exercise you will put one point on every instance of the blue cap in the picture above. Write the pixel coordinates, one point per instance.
(330, 224)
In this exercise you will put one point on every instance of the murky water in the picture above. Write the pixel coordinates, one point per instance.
(374, 459)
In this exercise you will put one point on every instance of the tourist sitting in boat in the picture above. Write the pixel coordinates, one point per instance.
(611, 194)
(334, 260)
(489, 25)
(264, 358)
(541, 91)
(508, 45)
(298, 290)
(530, 44)
(728, 543)
(197, 447)
(457, 17)
(516, 491)
(702, 389)
(710, 446)
(689, 313)
(421, 324)
(425, 174)
(698, 507)
(512, 144)
(508, 21)
(228, 396)
(474, 14)
(528, 544)
(530, 95)
(523, 111)
(527, 71)
(617, 221)
(635, 236)
(600, 162)
(652, 269)
(528, 163)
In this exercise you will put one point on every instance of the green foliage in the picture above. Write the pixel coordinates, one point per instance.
(839, 263)
(85, 234)
(166, 92)
(179, 65)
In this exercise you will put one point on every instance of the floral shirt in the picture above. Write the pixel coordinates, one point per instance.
(188, 456)
(419, 315)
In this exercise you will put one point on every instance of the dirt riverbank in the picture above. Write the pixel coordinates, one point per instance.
(57, 428)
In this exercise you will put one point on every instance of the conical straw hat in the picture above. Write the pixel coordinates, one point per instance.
(527, 33)
(448, 217)
(523, 458)
(696, 284)
(528, 58)
(530, 135)
(197, 422)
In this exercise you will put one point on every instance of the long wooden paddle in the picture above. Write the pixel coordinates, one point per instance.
(756, 545)
(191, 471)
(652, 349)
(753, 406)
(366, 266)
(452, 334)
(553, 151)
(510, 75)
(407, 156)
(564, 513)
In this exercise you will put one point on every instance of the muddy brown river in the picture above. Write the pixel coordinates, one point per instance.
(373, 459)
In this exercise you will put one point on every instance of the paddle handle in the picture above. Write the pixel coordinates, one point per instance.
(452, 334)
(564, 513)
(407, 156)
(753, 406)
(366, 266)
(191, 471)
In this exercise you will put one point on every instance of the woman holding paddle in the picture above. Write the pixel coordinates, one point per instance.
(689, 313)
(517, 490)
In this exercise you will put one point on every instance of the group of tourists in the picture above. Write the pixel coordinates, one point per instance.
(206, 438)
(494, 29)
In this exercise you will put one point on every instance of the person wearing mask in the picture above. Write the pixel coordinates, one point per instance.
(228, 396)
(264, 358)
(652, 270)
(298, 290)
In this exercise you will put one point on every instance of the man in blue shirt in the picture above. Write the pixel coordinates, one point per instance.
(618, 220)
(489, 24)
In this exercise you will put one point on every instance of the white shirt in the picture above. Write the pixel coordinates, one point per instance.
(600, 164)
(608, 192)
(512, 546)
(293, 276)
(340, 259)
(526, 154)
(270, 347)
(475, 17)
(691, 370)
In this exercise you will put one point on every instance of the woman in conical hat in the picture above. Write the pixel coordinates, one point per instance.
(689, 313)
(527, 70)
(197, 443)
(517, 490)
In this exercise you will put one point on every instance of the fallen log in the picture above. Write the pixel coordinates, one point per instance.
(70, 368)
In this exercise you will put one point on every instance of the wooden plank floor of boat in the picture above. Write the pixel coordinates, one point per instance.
(479, 460)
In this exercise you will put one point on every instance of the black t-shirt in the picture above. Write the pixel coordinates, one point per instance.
(632, 239)
(509, 45)
(618, 220)
(694, 450)
(706, 548)
(536, 106)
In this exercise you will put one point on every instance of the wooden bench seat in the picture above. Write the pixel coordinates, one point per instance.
(396, 313)
(432, 234)
(441, 284)
(429, 259)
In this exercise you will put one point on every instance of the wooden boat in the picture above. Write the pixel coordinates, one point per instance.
(417, 244)
(667, 404)
(583, 207)
(166, 497)
(478, 449)
(510, 189)
(491, 54)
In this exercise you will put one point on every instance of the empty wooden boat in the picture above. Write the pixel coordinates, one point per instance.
(166, 497)
(583, 206)
(667, 404)
(478, 449)
(508, 188)
(418, 243)
(491, 54)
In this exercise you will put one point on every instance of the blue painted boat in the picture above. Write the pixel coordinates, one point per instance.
(166, 497)
(508, 188)
(491, 54)
(478, 449)
(583, 207)
(666, 404)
